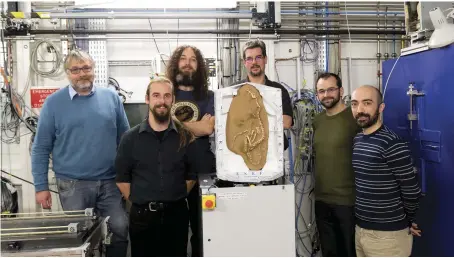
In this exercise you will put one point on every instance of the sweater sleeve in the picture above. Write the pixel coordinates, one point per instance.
(399, 159)
(122, 120)
(42, 147)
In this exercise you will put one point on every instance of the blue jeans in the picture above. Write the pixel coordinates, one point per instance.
(105, 197)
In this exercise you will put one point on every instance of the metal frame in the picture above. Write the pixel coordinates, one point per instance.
(98, 51)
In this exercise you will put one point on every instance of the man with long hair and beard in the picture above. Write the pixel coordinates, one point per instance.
(334, 131)
(194, 107)
(387, 189)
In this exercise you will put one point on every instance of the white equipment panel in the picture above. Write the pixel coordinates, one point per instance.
(230, 166)
(250, 221)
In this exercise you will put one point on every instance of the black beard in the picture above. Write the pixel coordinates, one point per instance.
(372, 120)
(185, 79)
(335, 101)
(161, 118)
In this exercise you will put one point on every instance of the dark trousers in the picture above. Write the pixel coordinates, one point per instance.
(195, 219)
(336, 229)
(159, 233)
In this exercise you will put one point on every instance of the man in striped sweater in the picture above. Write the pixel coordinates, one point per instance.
(387, 190)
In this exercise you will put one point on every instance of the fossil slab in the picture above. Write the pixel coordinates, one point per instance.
(247, 127)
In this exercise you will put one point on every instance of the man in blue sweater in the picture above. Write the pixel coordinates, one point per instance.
(81, 125)
(387, 190)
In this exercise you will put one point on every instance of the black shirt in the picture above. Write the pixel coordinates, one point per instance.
(158, 169)
(287, 108)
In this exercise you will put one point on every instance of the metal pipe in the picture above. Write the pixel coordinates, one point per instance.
(359, 58)
(298, 76)
(38, 228)
(386, 41)
(378, 51)
(362, 8)
(278, 38)
(352, 18)
(350, 83)
(327, 46)
(292, 4)
(296, 25)
(87, 14)
(149, 15)
(45, 212)
(340, 12)
(44, 217)
(278, 31)
(35, 233)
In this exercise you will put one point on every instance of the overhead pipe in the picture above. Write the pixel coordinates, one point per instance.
(378, 52)
(298, 75)
(296, 25)
(327, 12)
(278, 31)
(398, 8)
(340, 12)
(354, 18)
(350, 77)
(110, 14)
(294, 4)
(149, 15)
(269, 37)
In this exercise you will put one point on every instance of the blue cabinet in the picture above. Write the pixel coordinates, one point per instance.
(430, 106)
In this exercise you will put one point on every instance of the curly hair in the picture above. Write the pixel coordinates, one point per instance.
(200, 91)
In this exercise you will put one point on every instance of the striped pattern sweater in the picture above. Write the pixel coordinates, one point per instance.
(387, 189)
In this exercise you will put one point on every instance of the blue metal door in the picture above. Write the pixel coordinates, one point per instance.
(431, 135)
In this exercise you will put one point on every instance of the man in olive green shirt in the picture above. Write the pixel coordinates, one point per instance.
(334, 130)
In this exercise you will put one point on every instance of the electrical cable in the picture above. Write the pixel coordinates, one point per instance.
(348, 30)
(178, 30)
(389, 76)
(305, 109)
(156, 44)
(313, 51)
(26, 181)
(57, 61)
(70, 27)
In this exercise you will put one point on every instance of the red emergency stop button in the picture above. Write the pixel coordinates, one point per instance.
(208, 201)
(209, 204)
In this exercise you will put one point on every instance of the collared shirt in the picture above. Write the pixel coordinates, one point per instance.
(157, 169)
(73, 92)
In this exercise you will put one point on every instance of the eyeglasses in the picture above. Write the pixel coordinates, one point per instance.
(329, 90)
(251, 59)
(86, 69)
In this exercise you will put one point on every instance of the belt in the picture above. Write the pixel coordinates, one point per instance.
(160, 206)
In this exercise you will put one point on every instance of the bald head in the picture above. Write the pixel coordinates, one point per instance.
(370, 91)
(367, 105)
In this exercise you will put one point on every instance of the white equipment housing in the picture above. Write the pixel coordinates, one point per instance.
(249, 221)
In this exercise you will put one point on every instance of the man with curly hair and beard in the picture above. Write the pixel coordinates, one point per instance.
(194, 107)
